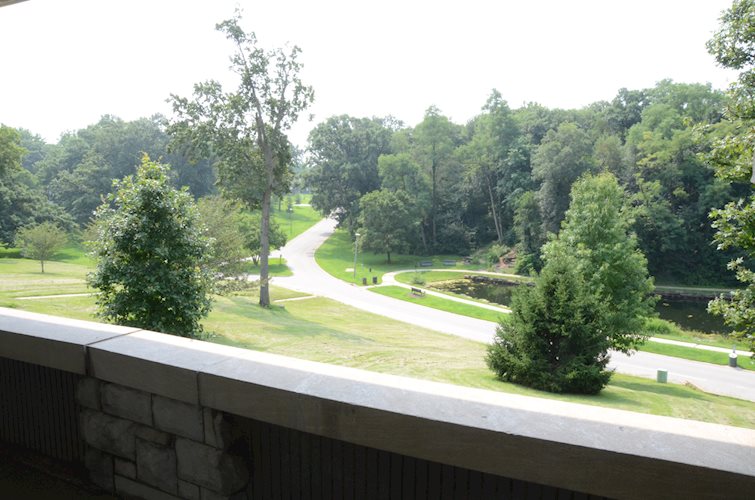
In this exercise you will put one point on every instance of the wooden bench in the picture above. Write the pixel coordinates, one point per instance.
(417, 291)
(425, 263)
(449, 263)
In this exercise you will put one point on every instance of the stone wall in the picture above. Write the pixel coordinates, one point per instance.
(145, 445)
(169, 417)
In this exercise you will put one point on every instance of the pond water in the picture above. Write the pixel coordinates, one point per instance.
(688, 315)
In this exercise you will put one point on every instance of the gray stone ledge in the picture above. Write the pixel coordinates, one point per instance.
(154, 362)
(50, 340)
(583, 448)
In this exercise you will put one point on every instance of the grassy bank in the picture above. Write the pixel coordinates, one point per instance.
(440, 303)
(298, 221)
(336, 257)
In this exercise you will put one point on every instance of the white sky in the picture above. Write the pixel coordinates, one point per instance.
(65, 63)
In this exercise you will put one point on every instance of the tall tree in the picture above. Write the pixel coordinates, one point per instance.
(564, 155)
(597, 233)
(246, 128)
(435, 140)
(733, 46)
(344, 164)
(151, 253)
(386, 221)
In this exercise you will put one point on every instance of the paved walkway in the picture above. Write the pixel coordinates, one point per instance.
(310, 278)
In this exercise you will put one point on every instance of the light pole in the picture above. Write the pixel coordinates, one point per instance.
(356, 247)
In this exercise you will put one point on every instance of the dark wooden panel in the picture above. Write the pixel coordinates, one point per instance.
(38, 410)
(293, 464)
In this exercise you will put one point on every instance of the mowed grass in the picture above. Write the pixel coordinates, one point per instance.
(323, 330)
(336, 257)
(440, 303)
(301, 219)
(431, 277)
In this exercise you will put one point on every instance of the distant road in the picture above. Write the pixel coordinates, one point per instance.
(310, 278)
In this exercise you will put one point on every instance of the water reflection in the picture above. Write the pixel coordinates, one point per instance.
(688, 315)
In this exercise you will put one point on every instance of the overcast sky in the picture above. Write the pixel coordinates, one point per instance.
(63, 64)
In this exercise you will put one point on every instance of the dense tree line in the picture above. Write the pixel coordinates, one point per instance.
(505, 176)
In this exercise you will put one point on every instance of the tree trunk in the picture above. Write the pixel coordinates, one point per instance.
(496, 222)
(435, 182)
(389, 257)
(265, 248)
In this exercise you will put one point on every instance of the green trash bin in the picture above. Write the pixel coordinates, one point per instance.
(661, 376)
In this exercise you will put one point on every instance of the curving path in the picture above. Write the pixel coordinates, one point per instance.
(310, 278)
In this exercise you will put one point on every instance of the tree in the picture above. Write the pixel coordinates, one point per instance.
(151, 255)
(41, 242)
(344, 164)
(11, 151)
(528, 226)
(222, 220)
(564, 155)
(246, 128)
(436, 139)
(554, 339)
(386, 221)
(596, 233)
(733, 46)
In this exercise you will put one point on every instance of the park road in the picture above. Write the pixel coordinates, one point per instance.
(308, 277)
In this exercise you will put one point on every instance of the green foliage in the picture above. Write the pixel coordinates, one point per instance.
(11, 151)
(246, 128)
(223, 220)
(151, 256)
(386, 222)
(596, 233)
(344, 164)
(555, 338)
(734, 47)
(40, 242)
(528, 227)
(564, 155)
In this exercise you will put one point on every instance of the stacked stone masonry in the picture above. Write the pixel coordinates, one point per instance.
(147, 446)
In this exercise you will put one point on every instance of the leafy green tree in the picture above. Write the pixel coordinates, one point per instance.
(399, 172)
(222, 220)
(564, 155)
(386, 221)
(733, 46)
(41, 242)
(554, 339)
(11, 151)
(528, 225)
(597, 234)
(344, 164)
(435, 138)
(246, 128)
(22, 202)
(151, 255)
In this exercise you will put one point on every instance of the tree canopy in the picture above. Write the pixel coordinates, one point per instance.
(151, 254)
(246, 128)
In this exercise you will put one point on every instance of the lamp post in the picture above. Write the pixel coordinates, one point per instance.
(356, 247)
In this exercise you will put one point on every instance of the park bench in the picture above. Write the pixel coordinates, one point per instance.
(449, 263)
(426, 263)
(417, 291)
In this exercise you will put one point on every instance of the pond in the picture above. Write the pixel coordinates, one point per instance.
(688, 315)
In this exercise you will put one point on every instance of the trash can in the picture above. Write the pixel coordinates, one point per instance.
(364, 281)
(661, 376)
(733, 358)
(374, 280)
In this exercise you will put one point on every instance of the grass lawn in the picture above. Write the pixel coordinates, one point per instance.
(22, 278)
(717, 358)
(323, 330)
(336, 257)
(301, 219)
(276, 267)
(401, 293)
(431, 277)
